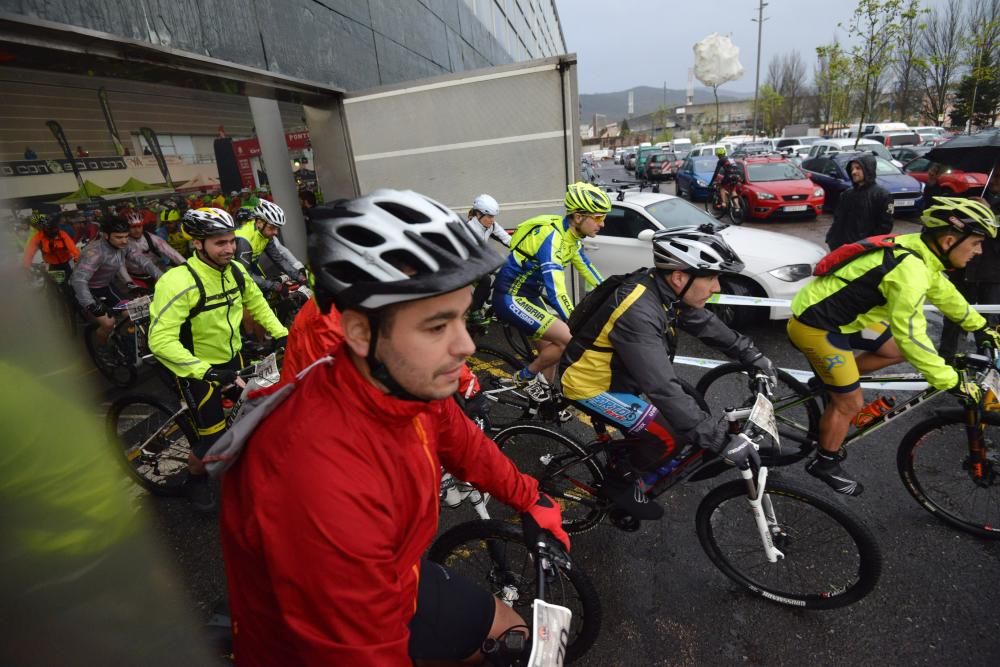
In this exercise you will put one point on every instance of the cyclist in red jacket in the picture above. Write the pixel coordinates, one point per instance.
(334, 498)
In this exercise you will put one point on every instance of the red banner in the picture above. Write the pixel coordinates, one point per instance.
(246, 149)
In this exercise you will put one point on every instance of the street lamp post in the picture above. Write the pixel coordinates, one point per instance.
(756, 84)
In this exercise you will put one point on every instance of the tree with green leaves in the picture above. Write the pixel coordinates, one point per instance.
(625, 130)
(877, 27)
(908, 67)
(983, 31)
(772, 109)
(832, 81)
(940, 57)
(977, 96)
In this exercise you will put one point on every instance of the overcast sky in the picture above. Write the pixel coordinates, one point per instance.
(625, 43)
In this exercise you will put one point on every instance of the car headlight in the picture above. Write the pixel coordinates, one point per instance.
(764, 195)
(818, 192)
(701, 183)
(791, 273)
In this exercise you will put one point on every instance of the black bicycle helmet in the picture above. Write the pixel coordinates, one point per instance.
(392, 246)
(694, 250)
(200, 223)
(113, 224)
(244, 215)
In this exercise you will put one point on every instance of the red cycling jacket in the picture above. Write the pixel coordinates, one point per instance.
(314, 334)
(328, 510)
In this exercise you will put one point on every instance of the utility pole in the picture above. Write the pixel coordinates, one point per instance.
(756, 84)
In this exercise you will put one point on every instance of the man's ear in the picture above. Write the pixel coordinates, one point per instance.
(357, 333)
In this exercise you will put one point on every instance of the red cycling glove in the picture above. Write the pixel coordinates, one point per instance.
(543, 515)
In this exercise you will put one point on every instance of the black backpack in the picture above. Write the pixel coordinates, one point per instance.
(597, 297)
(199, 307)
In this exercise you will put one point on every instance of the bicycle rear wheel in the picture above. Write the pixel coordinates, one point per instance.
(563, 470)
(495, 371)
(113, 362)
(714, 206)
(830, 558)
(933, 462)
(493, 553)
(155, 442)
(795, 410)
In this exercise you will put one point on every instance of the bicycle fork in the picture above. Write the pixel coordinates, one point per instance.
(763, 512)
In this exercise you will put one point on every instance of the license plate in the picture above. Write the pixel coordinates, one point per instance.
(796, 209)
(905, 202)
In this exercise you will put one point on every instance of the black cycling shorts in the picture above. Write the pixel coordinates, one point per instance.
(453, 618)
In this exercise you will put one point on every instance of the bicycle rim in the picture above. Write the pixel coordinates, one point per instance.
(495, 371)
(933, 462)
(154, 444)
(557, 462)
(795, 410)
(492, 553)
(109, 359)
(830, 558)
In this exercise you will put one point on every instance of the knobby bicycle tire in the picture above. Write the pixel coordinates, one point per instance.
(831, 559)
(933, 462)
(728, 385)
(563, 471)
(473, 548)
(713, 205)
(495, 371)
(154, 445)
(110, 360)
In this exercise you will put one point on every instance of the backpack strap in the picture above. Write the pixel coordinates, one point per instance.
(152, 246)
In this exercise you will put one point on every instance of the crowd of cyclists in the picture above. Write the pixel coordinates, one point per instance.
(330, 495)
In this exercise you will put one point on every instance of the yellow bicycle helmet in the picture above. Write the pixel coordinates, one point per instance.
(967, 216)
(586, 198)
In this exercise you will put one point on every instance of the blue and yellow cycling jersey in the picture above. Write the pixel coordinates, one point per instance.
(541, 249)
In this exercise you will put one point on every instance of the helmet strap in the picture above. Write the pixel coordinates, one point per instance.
(378, 369)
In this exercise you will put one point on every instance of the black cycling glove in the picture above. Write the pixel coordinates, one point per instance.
(97, 309)
(220, 376)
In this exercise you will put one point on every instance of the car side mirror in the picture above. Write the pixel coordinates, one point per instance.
(646, 235)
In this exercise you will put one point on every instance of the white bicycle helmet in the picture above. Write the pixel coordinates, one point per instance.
(134, 219)
(200, 223)
(392, 246)
(270, 213)
(694, 250)
(486, 205)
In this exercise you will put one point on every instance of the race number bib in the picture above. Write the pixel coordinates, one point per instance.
(762, 416)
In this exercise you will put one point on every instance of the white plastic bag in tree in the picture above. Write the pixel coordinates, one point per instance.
(717, 60)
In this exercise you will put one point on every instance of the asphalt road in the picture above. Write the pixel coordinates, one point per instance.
(666, 604)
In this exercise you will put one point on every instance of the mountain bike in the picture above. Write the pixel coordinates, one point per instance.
(949, 462)
(155, 439)
(539, 581)
(717, 207)
(127, 347)
(790, 546)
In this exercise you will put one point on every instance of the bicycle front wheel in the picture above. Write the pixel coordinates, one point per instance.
(155, 442)
(795, 410)
(830, 558)
(493, 553)
(112, 359)
(714, 205)
(563, 468)
(933, 461)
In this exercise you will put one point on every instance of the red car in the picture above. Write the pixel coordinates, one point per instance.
(773, 187)
(960, 182)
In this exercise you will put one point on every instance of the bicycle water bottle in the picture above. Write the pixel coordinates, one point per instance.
(873, 411)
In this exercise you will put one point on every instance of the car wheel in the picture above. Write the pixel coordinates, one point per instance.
(678, 190)
(739, 317)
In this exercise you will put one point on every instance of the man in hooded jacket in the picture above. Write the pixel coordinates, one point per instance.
(864, 210)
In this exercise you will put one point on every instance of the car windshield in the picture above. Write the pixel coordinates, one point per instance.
(885, 168)
(876, 148)
(704, 163)
(681, 154)
(678, 213)
(773, 171)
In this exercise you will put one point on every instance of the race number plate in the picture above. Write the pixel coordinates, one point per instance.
(267, 370)
(796, 209)
(551, 634)
(138, 309)
(991, 385)
(762, 416)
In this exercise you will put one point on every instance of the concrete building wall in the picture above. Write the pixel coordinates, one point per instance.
(350, 44)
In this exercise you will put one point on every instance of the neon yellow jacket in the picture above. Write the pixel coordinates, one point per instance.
(890, 286)
(189, 346)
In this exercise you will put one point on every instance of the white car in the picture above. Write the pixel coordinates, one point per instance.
(777, 265)
(830, 146)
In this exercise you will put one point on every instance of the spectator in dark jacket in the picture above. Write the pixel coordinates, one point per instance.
(933, 188)
(864, 210)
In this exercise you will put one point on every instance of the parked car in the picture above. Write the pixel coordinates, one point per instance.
(798, 153)
(776, 265)
(829, 146)
(752, 148)
(641, 157)
(773, 187)
(709, 149)
(694, 176)
(660, 166)
(629, 161)
(830, 173)
(900, 138)
(906, 153)
(960, 182)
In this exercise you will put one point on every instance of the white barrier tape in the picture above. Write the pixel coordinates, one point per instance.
(733, 300)
(803, 376)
